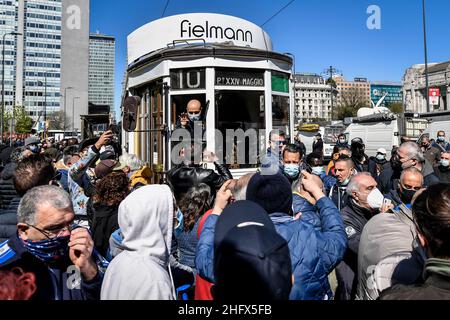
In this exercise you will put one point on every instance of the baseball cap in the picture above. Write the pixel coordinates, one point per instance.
(382, 150)
(104, 168)
(249, 251)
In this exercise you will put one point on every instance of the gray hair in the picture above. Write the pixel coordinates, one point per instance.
(39, 196)
(132, 161)
(354, 183)
(413, 171)
(413, 151)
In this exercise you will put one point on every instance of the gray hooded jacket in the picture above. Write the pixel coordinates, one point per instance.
(141, 271)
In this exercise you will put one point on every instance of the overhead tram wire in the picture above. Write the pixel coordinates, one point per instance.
(165, 8)
(278, 12)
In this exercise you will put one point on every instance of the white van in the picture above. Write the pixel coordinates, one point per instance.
(375, 135)
(307, 137)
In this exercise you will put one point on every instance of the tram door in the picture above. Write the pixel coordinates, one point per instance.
(156, 139)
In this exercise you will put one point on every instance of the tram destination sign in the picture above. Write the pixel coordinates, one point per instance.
(238, 78)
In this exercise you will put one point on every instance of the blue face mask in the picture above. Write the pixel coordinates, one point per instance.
(441, 138)
(49, 250)
(444, 163)
(317, 170)
(291, 170)
(178, 230)
(381, 157)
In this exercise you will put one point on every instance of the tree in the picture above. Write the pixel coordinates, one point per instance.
(23, 122)
(350, 101)
(396, 108)
(56, 121)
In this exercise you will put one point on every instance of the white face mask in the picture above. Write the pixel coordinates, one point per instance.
(375, 199)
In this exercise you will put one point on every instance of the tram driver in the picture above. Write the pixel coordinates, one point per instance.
(191, 117)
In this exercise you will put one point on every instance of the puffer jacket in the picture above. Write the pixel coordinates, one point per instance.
(309, 212)
(314, 254)
(7, 190)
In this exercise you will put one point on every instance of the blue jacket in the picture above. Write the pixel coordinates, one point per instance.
(314, 253)
(52, 283)
(309, 212)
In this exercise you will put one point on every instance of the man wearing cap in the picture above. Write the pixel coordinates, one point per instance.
(32, 144)
(318, 145)
(252, 261)
(430, 152)
(314, 253)
(79, 181)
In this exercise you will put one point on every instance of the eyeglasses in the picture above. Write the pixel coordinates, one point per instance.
(54, 233)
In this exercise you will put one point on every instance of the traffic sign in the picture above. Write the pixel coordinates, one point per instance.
(434, 96)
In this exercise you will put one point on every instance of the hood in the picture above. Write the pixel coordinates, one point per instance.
(8, 171)
(146, 222)
(142, 176)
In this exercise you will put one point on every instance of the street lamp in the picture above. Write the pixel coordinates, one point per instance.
(65, 103)
(427, 94)
(73, 113)
(3, 82)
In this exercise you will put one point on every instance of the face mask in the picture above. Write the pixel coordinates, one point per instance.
(345, 182)
(375, 199)
(317, 170)
(441, 139)
(444, 163)
(406, 195)
(380, 157)
(342, 141)
(194, 117)
(49, 250)
(178, 230)
(291, 170)
(34, 149)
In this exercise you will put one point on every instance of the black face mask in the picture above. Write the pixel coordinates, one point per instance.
(406, 195)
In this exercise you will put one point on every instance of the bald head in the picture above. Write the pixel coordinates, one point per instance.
(411, 178)
(194, 106)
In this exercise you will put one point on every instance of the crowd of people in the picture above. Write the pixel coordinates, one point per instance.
(83, 221)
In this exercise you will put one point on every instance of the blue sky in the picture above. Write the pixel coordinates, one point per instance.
(319, 33)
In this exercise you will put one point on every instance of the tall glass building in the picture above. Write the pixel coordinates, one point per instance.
(40, 63)
(394, 91)
(101, 69)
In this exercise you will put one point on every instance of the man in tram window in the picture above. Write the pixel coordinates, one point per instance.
(192, 116)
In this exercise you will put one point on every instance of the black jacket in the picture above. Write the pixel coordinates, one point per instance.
(355, 218)
(372, 167)
(183, 177)
(105, 222)
(318, 146)
(436, 286)
(51, 283)
(388, 178)
(442, 173)
(7, 189)
(339, 196)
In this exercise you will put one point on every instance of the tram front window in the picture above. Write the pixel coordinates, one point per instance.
(280, 111)
(240, 110)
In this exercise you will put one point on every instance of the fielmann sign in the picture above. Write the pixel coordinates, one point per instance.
(211, 27)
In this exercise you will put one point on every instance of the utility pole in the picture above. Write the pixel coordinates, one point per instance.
(330, 72)
(427, 93)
